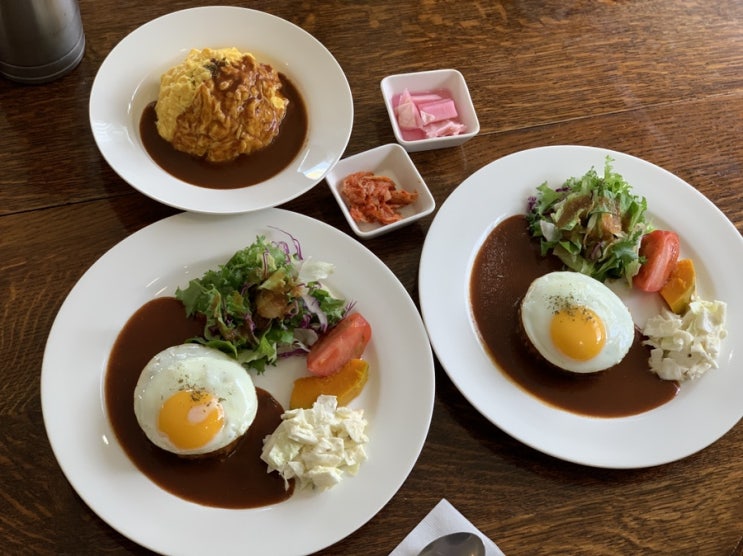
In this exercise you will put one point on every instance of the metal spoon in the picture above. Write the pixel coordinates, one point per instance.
(455, 544)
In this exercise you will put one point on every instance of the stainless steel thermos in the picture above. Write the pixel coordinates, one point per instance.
(40, 40)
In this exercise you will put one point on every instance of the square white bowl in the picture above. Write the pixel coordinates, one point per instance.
(392, 161)
(425, 81)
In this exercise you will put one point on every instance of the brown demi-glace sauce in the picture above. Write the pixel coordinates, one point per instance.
(239, 480)
(245, 170)
(506, 264)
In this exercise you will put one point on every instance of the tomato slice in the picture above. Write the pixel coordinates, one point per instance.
(345, 341)
(661, 251)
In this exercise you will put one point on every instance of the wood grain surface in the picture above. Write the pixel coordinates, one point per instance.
(658, 79)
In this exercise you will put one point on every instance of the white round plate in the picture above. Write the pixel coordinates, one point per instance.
(129, 79)
(701, 412)
(397, 399)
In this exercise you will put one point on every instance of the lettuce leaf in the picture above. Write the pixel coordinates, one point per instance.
(262, 304)
(593, 223)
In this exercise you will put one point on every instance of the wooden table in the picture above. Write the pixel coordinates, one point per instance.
(658, 79)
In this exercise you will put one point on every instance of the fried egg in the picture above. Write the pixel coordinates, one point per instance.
(192, 400)
(576, 322)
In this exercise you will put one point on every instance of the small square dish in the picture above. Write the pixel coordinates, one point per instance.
(393, 162)
(436, 110)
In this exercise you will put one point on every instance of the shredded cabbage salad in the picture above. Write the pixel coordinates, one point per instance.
(266, 302)
(593, 223)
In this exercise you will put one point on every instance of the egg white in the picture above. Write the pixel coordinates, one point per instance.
(537, 309)
(197, 367)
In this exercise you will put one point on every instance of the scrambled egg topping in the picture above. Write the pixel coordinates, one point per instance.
(219, 104)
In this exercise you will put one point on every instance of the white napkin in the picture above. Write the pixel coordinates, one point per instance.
(441, 520)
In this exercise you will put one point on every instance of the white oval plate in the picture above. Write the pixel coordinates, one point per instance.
(129, 79)
(701, 412)
(397, 399)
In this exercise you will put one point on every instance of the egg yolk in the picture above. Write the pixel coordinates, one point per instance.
(190, 418)
(578, 332)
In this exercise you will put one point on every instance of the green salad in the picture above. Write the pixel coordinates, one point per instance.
(266, 302)
(593, 223)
